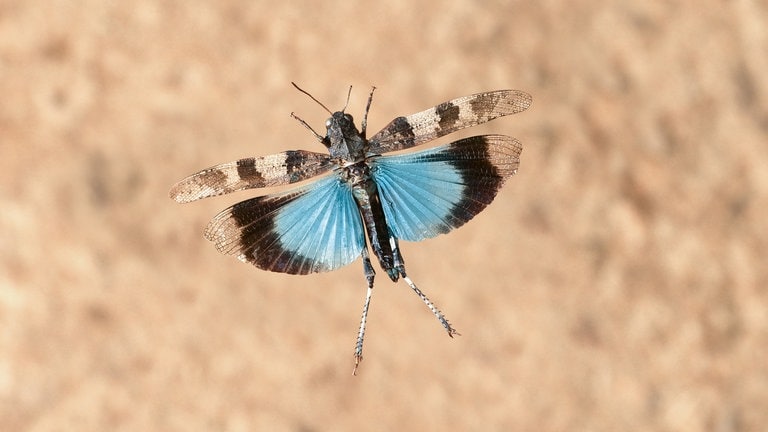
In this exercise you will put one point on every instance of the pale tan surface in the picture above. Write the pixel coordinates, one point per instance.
(618, 282)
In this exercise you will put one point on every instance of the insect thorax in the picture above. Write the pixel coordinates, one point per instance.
(344, 140)
(356, 174)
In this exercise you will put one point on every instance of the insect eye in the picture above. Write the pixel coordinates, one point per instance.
(328, 123)
(348, 117)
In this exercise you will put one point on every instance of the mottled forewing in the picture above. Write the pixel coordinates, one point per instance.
(432, 192)
(310, 229)
(254, 172)
(405, 132)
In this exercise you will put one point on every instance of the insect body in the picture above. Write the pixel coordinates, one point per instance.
(322, 225)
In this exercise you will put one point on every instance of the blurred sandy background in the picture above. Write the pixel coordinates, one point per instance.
(618, 282)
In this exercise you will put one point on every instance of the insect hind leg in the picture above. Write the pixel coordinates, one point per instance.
(369, 276)
(400, 266)
(443, 321)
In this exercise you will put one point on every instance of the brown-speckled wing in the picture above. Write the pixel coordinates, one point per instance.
(409, 131)
(254, 172)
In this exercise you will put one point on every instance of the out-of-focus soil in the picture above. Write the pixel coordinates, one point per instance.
(618, 282)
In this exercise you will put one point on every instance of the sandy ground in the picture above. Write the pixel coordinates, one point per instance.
(618, 282)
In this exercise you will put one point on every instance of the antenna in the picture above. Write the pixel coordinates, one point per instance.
(313, 98)
(349, 93)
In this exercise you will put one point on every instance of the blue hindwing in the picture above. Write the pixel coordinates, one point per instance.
(313, 228)
(431, 192)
